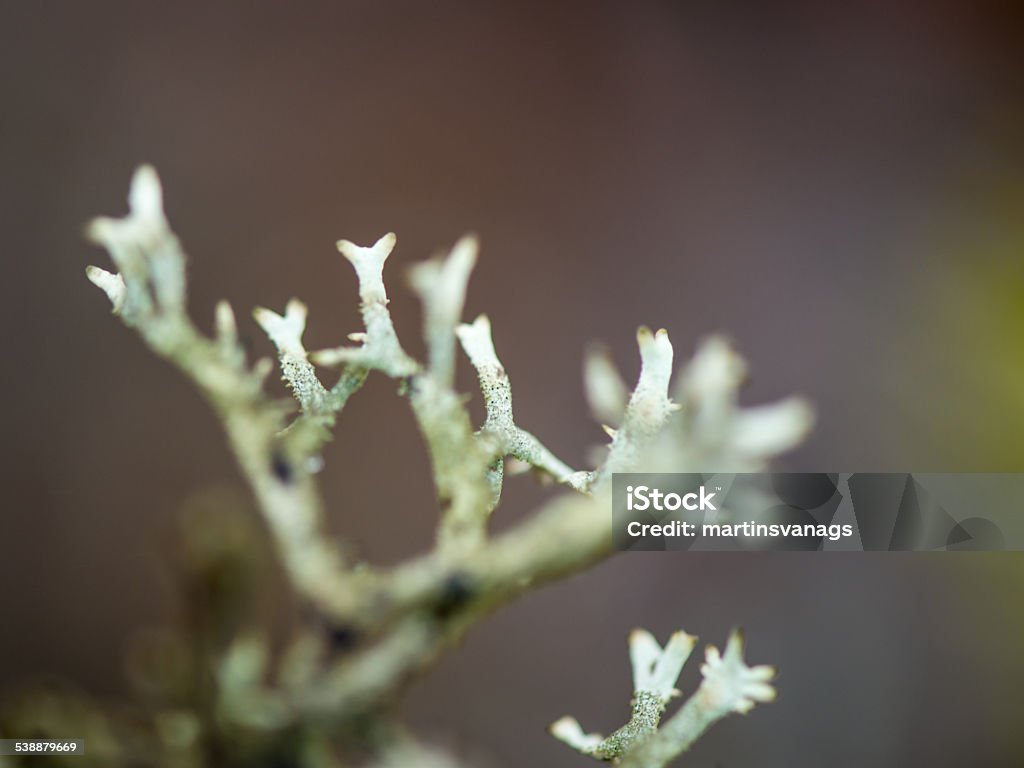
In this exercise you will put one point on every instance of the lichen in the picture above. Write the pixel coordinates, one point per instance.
(729, 686)
(393, 623)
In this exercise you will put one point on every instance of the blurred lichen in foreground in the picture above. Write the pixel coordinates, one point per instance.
(219, 695)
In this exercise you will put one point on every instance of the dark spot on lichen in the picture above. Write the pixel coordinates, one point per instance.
(456, 591)
(342, 637)
(282, 468)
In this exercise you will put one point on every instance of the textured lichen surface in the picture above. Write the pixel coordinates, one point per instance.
(219, 695)
(729, 686)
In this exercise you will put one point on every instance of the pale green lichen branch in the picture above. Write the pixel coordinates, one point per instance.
(606, 392)
(655, 671)
(534, 552)
(499, 424)
(145, 251)
(320, 406)
(419, 756)
(111, 284)
(151, 266)
(380, 348)
(441, 286)
(244, 698)
(717, 430)
(459, 461)
(458, 464)
(729, 685)
(648, 409)
(225, 328)
(702, 427)
(360, 683)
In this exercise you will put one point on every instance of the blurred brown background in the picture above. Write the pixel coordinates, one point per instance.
(838, 186)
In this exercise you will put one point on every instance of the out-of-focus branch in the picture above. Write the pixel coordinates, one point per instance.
(441, 285)
(151, 268)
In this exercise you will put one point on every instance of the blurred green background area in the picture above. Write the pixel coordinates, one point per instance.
(838, 187)
(976, 345)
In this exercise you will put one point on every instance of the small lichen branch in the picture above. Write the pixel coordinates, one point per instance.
(398, 620)
(729, 686)
(499, 424)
